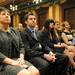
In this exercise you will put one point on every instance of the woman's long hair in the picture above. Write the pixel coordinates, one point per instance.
(49, 32)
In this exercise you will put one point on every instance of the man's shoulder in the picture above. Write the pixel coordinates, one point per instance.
(24, 32)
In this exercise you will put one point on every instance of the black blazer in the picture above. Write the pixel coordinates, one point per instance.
(31, 45)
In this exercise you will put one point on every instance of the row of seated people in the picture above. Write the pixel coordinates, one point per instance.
(66, 38)
(35, 48)
(37, 51)
(48, 40)
(51, 38)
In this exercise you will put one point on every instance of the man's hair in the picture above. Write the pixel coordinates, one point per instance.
(27, 15)
(4, 9)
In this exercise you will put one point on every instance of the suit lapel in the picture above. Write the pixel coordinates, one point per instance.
(30, 34)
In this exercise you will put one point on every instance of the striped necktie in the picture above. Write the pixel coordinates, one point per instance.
(34, 35)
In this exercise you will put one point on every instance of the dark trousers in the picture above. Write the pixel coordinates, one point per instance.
(61, 64)
(59, 67)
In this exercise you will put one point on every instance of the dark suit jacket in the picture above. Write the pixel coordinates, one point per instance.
(31, 44)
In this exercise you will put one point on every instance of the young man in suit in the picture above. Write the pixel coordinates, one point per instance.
(47, 63)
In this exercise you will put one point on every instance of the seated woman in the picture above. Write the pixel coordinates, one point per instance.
(67, 36)
(11, 49)
(51, 38)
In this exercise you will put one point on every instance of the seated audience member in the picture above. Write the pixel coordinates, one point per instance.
(12, 49)
(67, 34)
(58, 27)
(47, 62)
(19, 27)
(52, 39)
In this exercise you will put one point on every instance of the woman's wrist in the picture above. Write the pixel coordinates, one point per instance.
(8, 61)
(22, 55)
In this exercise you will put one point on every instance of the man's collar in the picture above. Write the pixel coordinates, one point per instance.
(31, 29)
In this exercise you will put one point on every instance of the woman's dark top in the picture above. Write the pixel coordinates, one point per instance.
(50, 38)
(10, 44)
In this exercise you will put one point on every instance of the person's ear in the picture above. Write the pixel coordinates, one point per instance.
(25, 22)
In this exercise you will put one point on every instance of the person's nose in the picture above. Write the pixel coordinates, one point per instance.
(33, 20)
(7, 15)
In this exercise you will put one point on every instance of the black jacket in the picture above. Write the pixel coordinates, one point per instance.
(31, 45)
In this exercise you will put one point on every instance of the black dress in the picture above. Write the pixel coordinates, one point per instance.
(10, 46)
